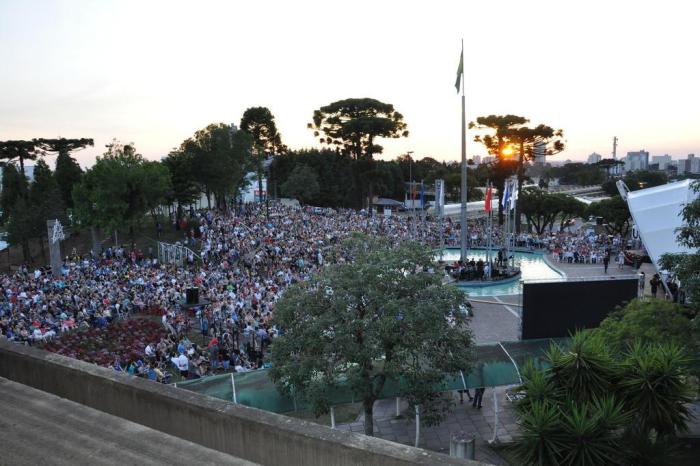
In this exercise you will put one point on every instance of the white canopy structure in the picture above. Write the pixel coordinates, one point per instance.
(657, 214)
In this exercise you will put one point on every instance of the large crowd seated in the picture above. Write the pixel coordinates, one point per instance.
(247, 257)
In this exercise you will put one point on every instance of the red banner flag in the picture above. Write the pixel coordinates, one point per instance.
(487, 200)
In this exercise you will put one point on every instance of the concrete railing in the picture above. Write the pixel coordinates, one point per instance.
(247, 433)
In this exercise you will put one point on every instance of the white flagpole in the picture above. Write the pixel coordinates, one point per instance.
(463, 209)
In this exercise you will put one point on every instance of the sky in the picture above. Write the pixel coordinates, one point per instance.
(154, 72)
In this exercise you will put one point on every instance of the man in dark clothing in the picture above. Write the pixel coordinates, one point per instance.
(478, 396)
(606, 261)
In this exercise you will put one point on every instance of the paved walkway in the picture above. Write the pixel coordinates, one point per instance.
(478, 422)
(496, 318)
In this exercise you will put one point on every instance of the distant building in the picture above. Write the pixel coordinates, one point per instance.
(594, 158)
(637, 161)
(539, 153)
(488, 159)
(691, 165)
(476, 159)
(663, 161)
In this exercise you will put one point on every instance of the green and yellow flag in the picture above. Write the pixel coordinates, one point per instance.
(460, 70)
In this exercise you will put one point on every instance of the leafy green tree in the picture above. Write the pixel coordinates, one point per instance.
(220, 159)
(615, 214)
(302, 184)
(68, 172)
(45, 203)
(354, 125)
(20, 151)
(654, 322)
(636, 180)
(570, 208)
(181, 166)
(542, 208)
(260, 124)
(529, 141)
(379, 317)
(14, 187)
(499, 136)
(578, 174)
(120, 189)
(27, 219)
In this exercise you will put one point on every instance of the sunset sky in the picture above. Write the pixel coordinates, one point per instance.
(153, 72)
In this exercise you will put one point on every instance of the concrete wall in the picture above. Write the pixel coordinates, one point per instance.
(248, 433)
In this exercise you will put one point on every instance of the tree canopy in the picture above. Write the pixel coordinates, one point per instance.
(120, 189)
(68, 172)
(302, 184)
(542, 208)
(354, 125)
(615, 214)
(260, 124)
(380, 316)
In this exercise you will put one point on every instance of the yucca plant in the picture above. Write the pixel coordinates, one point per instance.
(592, 433)
(538, 386)
(541, 441)
(585, 370)
(654, 387)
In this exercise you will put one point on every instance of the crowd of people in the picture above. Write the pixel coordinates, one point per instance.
(241, 261)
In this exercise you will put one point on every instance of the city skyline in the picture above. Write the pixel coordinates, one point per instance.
(155, 73)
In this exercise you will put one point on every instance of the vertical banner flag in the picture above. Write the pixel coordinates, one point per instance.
(505, 196)
(487, 200)
(422, 195)
(439, 197)
(513, 193)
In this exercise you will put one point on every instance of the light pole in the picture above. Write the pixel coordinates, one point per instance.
(410, 184)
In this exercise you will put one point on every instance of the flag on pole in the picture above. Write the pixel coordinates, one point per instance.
(422, 195)
(487, 200)
(505, 197)
(513, 193)
(460, 69)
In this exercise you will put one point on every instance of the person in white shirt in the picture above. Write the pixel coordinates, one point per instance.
(182, 364)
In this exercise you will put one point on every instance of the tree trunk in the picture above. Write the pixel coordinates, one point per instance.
(369, 417)
(521, 176)
(43, 251)
(95, 240)
(25, 250)
(260, 190)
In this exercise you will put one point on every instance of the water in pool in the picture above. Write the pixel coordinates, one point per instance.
(532, 266)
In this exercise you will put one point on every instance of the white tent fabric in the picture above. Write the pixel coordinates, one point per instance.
(657, 214)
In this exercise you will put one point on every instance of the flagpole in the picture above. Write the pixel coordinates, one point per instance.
(463, 209)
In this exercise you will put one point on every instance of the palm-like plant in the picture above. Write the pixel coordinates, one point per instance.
(655, 389)
(591, 432)
(589, 408)
(585, 370)
(542, 441)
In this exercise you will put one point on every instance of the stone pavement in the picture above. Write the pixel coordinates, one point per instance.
(478, 422)
(496, 318)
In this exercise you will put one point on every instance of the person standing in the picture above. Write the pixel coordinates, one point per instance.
(654, 284)
(642, 282)
(478, 396)
(606, 261)
(620, 260)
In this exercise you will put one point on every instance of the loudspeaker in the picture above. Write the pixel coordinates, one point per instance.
(192, 295)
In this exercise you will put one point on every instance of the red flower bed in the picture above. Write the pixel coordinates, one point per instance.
(125, 340)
